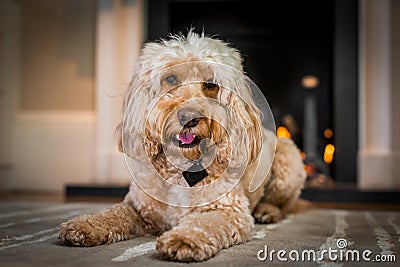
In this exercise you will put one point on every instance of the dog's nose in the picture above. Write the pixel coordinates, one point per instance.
(189, 117)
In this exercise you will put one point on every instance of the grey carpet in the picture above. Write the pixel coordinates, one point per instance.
(28, 237)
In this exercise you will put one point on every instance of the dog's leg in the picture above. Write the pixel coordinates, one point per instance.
(284, 188)
(120, 222)
(200, 236)
(267, 213)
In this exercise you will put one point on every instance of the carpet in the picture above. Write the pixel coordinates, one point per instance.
(317, 237)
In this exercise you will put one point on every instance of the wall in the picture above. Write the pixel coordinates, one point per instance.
(119, 37)
(53, 119)
(379, 154)
(10, 15)
(57, 55)
(65, 99)
(51, 149)
(396, 75)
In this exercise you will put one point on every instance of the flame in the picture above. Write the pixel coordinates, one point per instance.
(328, 154)
(328, 133)
(309, 169)
(282, 132)
(309, 81)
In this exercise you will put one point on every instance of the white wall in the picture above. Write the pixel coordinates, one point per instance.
(57, 55)
(51, 147)
(119, 38)
(379, 154)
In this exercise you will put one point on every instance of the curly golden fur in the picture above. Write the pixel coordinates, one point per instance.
(147, 130)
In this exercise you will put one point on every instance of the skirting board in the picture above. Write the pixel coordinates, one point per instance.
(326, 195)
(379, 171)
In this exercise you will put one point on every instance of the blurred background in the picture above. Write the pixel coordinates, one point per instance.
(330, 71)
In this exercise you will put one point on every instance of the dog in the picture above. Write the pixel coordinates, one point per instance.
(190, 119)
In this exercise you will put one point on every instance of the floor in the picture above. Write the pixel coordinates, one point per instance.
(28, 237)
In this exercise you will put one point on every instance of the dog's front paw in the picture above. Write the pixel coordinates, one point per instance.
(266, 213)
(82, 231)
(185, 245)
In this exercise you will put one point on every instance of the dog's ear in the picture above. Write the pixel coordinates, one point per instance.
(130, 131)
(245, 120)
(254, 133)
(251, 139)
(247, 133)
(118, 136)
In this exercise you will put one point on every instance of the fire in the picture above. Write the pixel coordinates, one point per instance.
(328, 154)
(309, 169)
(328, 133)
(282, 132)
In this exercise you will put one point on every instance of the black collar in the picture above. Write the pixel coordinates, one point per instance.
(195, 173)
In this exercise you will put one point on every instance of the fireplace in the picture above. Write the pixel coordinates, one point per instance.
(302, 55)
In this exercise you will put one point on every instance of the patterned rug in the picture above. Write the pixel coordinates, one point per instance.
(318, 237)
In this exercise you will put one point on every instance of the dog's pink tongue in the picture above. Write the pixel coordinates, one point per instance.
(186, 138)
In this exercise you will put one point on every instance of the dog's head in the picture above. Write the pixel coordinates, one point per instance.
(189, 95)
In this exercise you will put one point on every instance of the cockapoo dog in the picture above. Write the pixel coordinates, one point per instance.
(190, 123)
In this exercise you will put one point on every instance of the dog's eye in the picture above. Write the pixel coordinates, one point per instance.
(172, 79)
(209, 84)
